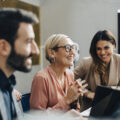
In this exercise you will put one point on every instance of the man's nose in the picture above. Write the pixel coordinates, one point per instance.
(35, 49)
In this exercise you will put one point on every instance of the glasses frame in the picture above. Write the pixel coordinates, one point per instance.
(67, 47)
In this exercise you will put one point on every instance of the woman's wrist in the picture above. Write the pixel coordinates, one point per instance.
(67, 100)
(89, 95)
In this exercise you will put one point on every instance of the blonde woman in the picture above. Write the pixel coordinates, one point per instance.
(54, 87)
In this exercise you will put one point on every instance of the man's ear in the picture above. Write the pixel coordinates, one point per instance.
(5, 47)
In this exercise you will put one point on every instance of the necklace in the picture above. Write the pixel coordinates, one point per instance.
(61, 82)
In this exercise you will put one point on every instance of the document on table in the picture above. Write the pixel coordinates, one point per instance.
(86, 113)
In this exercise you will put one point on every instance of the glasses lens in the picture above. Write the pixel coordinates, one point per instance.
(74, 47)
(68, 48)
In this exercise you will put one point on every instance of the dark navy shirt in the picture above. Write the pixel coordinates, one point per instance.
(6, 86)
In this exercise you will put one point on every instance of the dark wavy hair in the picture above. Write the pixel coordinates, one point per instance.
(100, 66)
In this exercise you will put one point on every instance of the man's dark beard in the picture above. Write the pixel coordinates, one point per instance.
(17, 61)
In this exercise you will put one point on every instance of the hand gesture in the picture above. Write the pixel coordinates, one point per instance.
(75, 90)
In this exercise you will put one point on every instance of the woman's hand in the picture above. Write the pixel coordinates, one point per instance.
(90, 95)
(75, 90)
(83, 86)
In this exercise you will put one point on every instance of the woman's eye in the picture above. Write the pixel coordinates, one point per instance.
(98, 48)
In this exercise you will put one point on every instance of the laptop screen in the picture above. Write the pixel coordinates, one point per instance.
(106, 102)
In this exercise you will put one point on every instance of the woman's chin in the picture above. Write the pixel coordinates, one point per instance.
(70, 64)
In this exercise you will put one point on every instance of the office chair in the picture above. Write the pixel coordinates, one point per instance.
(25, 102)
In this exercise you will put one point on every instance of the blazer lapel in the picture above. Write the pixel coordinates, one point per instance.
(113, 73)
(94, 79)
(97, 78)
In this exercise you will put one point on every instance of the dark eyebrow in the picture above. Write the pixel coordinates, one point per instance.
(106, 46)
(98, 48)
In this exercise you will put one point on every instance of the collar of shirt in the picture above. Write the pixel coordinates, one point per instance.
(6, 83)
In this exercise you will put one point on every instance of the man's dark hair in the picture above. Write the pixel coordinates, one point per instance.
(10, 19)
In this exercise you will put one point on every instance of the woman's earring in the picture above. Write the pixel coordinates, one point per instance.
(53, 60)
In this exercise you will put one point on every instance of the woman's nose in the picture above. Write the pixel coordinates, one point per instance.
(102, 52)
(72, 52)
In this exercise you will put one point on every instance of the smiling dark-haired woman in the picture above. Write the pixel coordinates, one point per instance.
(103, 67)
(54, 87)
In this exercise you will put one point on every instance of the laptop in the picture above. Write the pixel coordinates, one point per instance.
(105, 102)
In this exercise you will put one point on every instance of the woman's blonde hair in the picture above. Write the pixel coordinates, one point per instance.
(52, 42)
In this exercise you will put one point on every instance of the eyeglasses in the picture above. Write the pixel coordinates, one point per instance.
(67, 47)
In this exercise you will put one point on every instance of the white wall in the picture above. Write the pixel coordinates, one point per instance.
(79, 19)
(24, 80)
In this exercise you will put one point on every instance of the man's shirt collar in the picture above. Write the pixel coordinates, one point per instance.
(6, 83)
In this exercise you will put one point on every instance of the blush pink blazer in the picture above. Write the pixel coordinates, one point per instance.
(46, 91)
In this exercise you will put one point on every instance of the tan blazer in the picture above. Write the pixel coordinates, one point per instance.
(85, 71)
